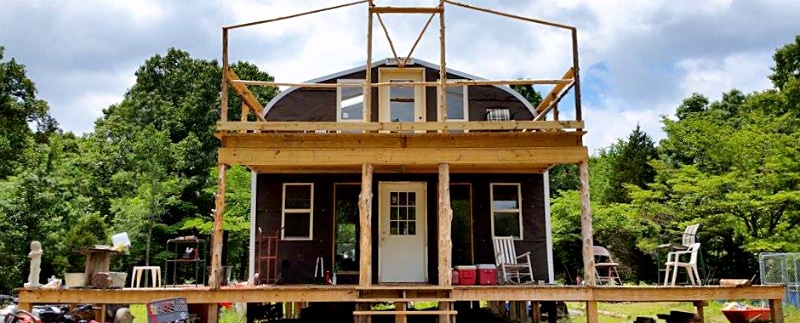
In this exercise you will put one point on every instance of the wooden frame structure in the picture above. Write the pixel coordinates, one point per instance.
(522, 146)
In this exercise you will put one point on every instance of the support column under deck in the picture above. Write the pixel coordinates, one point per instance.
(365, 228)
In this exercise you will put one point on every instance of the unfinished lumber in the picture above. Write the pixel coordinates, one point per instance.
(445, 224)
(508, 15)
(214, 281)
(367, 89)
(247, 97)
(586, 225)
(365, 219)
(223, 111)
(555, 92)
(431, 10)
(577, 72)
(442, 68)
(296, 15)
(591, 312)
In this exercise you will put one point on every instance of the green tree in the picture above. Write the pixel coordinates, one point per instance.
(630, 166)
(787, 64)
(18, 108)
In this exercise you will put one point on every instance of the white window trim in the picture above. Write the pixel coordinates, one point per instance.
(465, 103)
(310, 211)
(387, 75)
(518, 209)
(339, 100)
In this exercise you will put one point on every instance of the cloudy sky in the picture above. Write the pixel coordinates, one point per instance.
(639, 59)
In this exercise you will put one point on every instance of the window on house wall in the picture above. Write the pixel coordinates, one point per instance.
(346, 233)
(297, 218)
(506, 210)
(457, 103)
(350, 101)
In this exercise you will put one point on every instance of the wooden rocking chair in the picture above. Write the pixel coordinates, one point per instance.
(512, 267)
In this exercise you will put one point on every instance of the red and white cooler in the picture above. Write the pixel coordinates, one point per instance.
(487, 274)
(467, 275)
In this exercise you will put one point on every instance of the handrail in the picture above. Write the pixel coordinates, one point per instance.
(526, 125)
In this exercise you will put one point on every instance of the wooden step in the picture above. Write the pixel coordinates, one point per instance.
(405, 300)
(437, 312)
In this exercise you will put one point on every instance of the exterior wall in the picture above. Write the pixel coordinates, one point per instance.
(302, 254)
(314, 104)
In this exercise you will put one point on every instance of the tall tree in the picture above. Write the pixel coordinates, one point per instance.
(787, 64)
(18, 108)
(631, 166)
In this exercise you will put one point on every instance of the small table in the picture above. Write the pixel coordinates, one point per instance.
(98, 259)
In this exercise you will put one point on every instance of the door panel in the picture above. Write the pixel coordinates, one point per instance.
(401, 103)
(402, 249)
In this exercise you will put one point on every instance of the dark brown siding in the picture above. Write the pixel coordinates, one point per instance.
(320, 104)
(302, 254)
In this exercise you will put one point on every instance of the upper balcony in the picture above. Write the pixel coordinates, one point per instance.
(403, 114)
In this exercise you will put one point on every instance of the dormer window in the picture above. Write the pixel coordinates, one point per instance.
(350, 101)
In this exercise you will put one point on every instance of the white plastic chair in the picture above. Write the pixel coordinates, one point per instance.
(674, 261)
(511, 265)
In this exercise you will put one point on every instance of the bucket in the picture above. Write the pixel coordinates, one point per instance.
(75, 279)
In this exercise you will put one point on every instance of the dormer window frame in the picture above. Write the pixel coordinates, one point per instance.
(339, 100)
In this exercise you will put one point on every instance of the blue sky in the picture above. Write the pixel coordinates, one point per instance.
(639, 59)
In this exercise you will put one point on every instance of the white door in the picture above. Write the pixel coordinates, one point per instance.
(402, 248)
(401, 103)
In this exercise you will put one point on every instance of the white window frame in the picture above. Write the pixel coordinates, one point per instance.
(518, 209)
(285, 211)
(339, 100)
(465, 103)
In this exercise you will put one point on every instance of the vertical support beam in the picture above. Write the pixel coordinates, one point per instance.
(368, 71)
(700, 305)
(445, 223)
(523, 311)
(591, 312)
(442, 67)
(216, 233)
(400, 317)
(776, 310)
(212, 314)
(536, 312)
(365, 216)
(223, 112)
(586, 224)
(577, 76)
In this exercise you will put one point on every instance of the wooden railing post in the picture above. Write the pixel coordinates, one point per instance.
(365, 217)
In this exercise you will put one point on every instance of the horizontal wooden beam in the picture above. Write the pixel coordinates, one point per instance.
(516, 157)
(344, 293)
(428, 10)
(401, 169)
(397, 126)
(403, 140)
(450, 83)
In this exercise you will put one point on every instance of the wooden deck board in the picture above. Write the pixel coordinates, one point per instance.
(341, 293)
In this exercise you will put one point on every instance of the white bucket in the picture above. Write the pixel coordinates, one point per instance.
(75, 279)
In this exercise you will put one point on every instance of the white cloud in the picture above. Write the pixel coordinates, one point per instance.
(639, 59)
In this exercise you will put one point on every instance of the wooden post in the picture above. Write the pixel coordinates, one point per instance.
(223, 112)
(212, 314)
(368, 71)
(591, 312)
(776, 310)
(216, 233)
(445, 223)
(700, 305)
(523, 311)
(365, 216)
(536, 312)
(442, 67)
(577, 75)
(400, 317)
(586, 225)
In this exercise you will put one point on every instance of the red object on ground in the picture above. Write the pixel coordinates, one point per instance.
(487, 274)
(746, 315)
(467, 275)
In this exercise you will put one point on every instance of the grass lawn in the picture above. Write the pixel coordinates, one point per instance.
(627, 312)
(609, 312)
